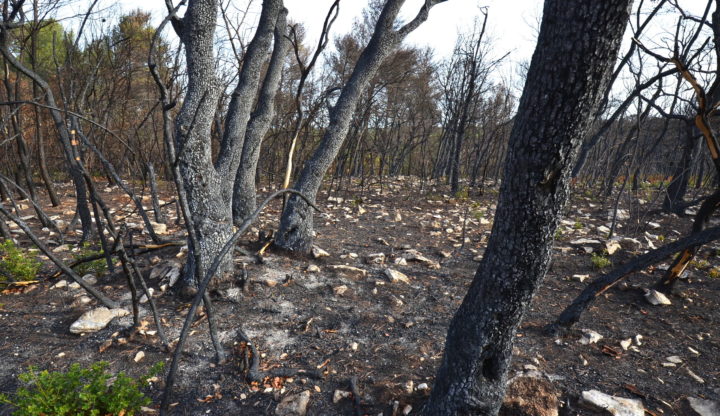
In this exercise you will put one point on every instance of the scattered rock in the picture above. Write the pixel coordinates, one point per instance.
(400, 261)
(60, 284)
(96, 319)
(656, 298)
(653, 225)
(625, 344)
(339, 395)
(530, 396)
(397, 217)
(423, 387)
(630, 244)
(604, 230)
(409, 387)
(294, 405)
(144, 298)
(674, 359)
(317, 252)
(139, 356)
(412, 254)
(622, 214)
(704, 407)
(580, 277)
(348, 270)
(312, 268)
(375, 258)
(159, 228)
(586, 242)
(612, 246)
(590, 337)
(616, 406)
(340, 290)
(396, 276)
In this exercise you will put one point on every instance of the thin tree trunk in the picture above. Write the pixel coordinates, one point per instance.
(296, 223)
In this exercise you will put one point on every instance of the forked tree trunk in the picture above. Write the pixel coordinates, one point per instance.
(572, 63)
(208, 185)
(296, 224)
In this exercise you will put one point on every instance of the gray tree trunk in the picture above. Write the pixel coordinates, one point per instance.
(296, 224)
(244, 192)
(209, 185)
(572, 63)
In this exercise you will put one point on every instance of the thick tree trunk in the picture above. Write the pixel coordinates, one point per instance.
(573, 60)
(296, 224)
(208, 186)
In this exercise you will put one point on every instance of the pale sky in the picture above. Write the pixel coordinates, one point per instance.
(511, 24)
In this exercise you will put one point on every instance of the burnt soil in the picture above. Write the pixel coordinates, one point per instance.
(386, 334)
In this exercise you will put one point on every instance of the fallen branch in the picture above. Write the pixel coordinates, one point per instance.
(202, 288)
(59, 263)
(572, 313)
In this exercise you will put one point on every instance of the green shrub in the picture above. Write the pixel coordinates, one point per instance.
(16, 264)
(97, 267)
(600, 261)
(80, 391)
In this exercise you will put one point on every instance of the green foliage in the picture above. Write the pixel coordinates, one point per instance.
(97, 267)
(462, 194)
(16, 264)
(51, 45)
(600, 261)
(80, 391)
(558, 233)
(578, 225)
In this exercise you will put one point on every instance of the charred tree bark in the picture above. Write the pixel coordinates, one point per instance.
(244, 192)
(565, 84)
(673, 201)
(208, 185)
(296, 224)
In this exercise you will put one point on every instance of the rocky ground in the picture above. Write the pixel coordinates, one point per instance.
(373, 305)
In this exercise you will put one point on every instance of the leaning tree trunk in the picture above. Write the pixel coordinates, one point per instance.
(296, 223)
(573, 60)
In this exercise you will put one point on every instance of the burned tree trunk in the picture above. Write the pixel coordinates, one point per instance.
(296, 224)
(208, 185)
(565, 83)
(244, 192)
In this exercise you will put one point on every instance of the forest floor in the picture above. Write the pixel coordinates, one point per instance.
(388, 335)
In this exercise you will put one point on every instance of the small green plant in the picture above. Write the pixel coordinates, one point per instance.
(578, 225)
(600, 261)
(701, 264)
(80, 391)
(558, 233)
(462, 194)
(16, 264)
(97, 267)
(661, 238)
(714, 273)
